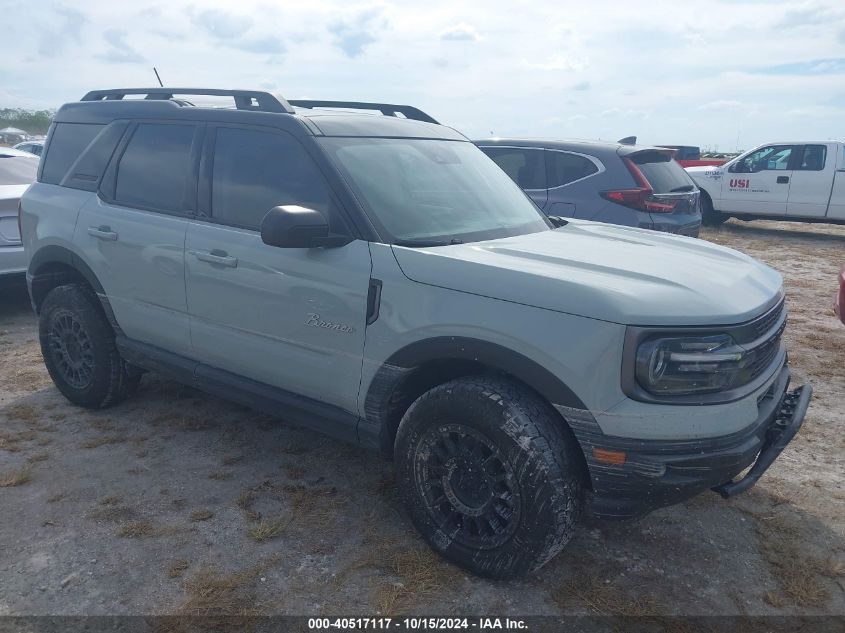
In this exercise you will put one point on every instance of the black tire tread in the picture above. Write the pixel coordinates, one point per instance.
(540, 429)
(117, 381)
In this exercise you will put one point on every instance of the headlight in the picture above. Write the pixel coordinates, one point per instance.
(690, 365)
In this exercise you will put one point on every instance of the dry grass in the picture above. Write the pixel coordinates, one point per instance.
(24, 412)
(266, 530)
(177, 568)
(38, 457)
(294, 472)
(201, 515)
(111, 500)
(220, 475)
(55, 498)
(103, 424)
(111, 512)
(106, 440)
(16, 477)
(232, 460)
(11, 440)
(605, 599)
(136, 529)
(797, 571)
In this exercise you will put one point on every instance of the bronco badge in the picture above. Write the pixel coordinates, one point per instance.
(314, 320)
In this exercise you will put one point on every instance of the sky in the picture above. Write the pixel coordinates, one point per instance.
(719, 74)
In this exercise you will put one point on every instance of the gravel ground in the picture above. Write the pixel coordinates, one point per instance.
(180, 503)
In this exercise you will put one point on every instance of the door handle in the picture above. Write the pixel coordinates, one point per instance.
(102, 233)
(782, 180)
(221, 258)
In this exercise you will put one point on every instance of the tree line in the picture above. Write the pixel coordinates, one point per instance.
(32, 121)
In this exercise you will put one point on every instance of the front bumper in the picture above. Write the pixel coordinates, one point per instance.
(658, 473)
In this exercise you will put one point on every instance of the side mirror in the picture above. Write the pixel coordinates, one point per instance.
(292, 226)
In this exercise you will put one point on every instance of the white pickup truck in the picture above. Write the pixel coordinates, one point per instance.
(777, 181)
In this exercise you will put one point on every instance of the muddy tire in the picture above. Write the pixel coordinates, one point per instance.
(709, 216)
(490, 475)
(79, 351)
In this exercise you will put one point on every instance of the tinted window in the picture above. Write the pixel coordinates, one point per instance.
(772, 158)
(18, 170)
(813, 158)
(255, 171)
(563, 168)
(663, 173)
(155, 171)
(526, 167)
(66, 144)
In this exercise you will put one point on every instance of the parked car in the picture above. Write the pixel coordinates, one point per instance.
(17, 172)
(802, 181)
(690, 156)
(380, 279)
(33, 147)
(632, 185)
(839, 301)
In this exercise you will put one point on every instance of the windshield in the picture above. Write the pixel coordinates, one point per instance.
(429, 192)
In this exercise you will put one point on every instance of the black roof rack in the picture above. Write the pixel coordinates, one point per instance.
(256, 100)
(387, 109)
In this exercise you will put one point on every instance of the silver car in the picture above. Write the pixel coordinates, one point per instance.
(17, 171)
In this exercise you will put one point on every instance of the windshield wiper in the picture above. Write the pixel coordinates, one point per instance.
(682, 188)
(424, 243)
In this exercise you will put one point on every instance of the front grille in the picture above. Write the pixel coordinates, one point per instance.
(768, 320)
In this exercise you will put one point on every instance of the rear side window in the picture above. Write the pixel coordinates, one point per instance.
(67, 142)
(563, 168)
(255, 171)
(525, 166)
(155, 171)
(813, 158)
(18, 170)
(663, 174)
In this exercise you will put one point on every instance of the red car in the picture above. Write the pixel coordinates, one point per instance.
(839, 302)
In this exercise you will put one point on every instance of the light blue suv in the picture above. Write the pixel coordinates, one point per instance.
(379, 278)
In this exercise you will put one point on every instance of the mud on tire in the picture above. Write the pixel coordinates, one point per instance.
(490, 475)
(79, 350)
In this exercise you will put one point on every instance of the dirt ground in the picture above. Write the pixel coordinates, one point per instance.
(180, 503)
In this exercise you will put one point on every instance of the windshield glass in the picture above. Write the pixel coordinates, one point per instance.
(433, 191)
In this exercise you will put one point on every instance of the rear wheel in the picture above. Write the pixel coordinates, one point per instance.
(709, 216)
(79, 350)
(489, 475)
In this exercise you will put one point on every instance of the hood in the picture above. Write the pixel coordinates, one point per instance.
(604, 271)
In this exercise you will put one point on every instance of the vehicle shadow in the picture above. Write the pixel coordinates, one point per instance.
(14, 299)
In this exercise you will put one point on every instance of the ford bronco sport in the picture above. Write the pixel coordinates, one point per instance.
(376, 276)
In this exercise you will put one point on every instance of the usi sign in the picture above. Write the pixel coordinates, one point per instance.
(740, 183)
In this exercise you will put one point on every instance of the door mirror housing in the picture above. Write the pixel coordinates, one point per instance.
(292, 226)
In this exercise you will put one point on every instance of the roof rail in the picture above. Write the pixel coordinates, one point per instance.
(387, 109)
(256, 100)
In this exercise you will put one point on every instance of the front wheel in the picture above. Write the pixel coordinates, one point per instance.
(709, 216)
(490, 475)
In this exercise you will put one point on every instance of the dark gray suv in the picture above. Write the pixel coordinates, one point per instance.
(632, 185)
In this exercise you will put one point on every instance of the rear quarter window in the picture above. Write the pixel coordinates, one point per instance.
(563, 168)
(67, 142)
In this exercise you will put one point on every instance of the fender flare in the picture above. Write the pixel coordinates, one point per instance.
(55, 254)
(375, 426)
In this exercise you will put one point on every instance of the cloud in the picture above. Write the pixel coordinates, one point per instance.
(831, 66)
(119, 51)
(558, 62)
(235, 30)
(222, 24)
(810, 14)
(460, 33)
(581, 86)
(54, 40)
(722, 104)
(354, 33)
